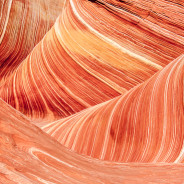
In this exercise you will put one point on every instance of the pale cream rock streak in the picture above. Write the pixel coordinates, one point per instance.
(77, 98)
(84, 66)
(59, 36)
(123, 101)
(6, 22)
(117, 87)
(168, 155)
(162, 31)
(41, 179)
(96, 132)
(74, 127)
(144, 60)
(107, 133)
(65, 120)
(33, 149)
(102, 78)
(74, 60)
(52, 126)
(26, 83)
(109, 126)
(69, 129)
(92, 109)
(175, 120)
(83, 122)
(151, 113)
(181, 155)
(165, 111)
(118, 123)
(152, 26)
(104, 147)
(45, 76)
(88, 131)
(165, 105)
(136, 67)
(63, 136)
(61, 83)
(30, 65)
(135, 121)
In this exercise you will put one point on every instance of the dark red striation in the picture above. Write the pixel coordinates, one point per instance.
(106, 80)
(22, 25)
(144, 125)
(28, 155)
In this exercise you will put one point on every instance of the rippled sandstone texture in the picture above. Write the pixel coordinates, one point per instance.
(144, 125)
(85, 60)
(23, 23)
(106, 81)
(28, 155)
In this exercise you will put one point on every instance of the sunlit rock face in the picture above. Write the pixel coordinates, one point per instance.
(151, 29)
(22, 25)
(85, 60)
(91, 91)
(144, 125)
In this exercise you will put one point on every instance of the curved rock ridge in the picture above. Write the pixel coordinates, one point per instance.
(28, 155)
(76, 66)
(151, 30)
(102, 80)
(22, 25)
(144, 125)
(95, 52)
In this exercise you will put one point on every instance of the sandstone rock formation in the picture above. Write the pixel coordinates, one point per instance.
(91, 91)
(144, 125)
(22, 25)
(28, 155)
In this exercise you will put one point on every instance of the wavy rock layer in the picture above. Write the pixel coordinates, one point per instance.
(151, 29)
(77, 65)
(30, 156)
(22, 25)
(85, 60)
(144, 125)
(105, 71)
